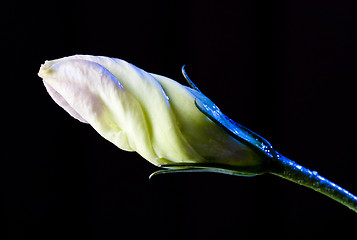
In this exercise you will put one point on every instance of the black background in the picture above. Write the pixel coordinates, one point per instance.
(285, 69)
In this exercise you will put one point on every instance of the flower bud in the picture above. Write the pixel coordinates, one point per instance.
(162, 120)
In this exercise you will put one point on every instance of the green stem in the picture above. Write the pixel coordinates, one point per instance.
(288, 169)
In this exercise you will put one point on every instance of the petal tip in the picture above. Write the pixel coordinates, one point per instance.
(45, 69)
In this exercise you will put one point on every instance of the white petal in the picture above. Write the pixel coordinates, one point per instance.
(97, 96)
(62, 102)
